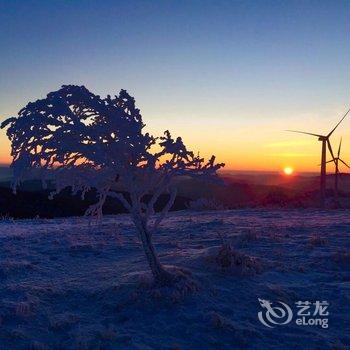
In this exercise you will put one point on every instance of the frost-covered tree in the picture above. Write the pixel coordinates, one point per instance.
(85, 142)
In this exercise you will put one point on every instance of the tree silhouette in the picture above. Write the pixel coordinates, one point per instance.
(85, 142)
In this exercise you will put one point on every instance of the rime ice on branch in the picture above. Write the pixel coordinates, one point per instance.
(85, 141)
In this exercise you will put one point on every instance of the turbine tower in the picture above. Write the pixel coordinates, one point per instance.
(336, 161)
(325, 143)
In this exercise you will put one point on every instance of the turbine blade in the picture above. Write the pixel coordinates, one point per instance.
(330, 149)
(339, 147)
(344, 163)
(330, 161)
(303, 132)
(338, 123)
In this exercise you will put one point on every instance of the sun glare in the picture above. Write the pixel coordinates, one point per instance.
(288, 170)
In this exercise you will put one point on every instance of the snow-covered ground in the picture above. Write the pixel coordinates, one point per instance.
(73, 284)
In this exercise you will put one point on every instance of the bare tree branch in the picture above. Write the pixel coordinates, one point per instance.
(121, 198)
(166, 209)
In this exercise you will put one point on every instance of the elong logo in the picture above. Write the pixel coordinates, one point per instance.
(274, 315)
(282, 314)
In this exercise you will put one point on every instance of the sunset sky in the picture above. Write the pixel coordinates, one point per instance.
(227, 76)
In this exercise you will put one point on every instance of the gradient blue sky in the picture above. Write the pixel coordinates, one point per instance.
(229, 76)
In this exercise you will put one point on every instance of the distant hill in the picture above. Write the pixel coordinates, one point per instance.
(31, 204)
(5, 173)
(238, 191)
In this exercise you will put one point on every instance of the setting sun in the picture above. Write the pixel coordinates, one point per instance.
(288, 170)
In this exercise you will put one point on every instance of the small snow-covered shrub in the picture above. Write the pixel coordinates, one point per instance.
(83, 247)
(78, 140)
(339, 346)
(223, 237)
(249, 236)
(219, 321)
(7, 218)
(228, 258)
(147, 291)
(317, 240)
(36, 345)
(108, 334)
(232, 261)
(82, 341)
(342, 258)
(281, 292)
(62, 321)
(11, 266)
(18, 333)
(202, 204)
(241, 333)
(23, 308)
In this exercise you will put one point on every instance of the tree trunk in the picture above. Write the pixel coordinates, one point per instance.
(158, 271)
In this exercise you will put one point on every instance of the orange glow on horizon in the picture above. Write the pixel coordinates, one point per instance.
(247, 147)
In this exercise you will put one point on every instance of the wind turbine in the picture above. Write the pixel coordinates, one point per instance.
(336, 161)
(325, 143)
